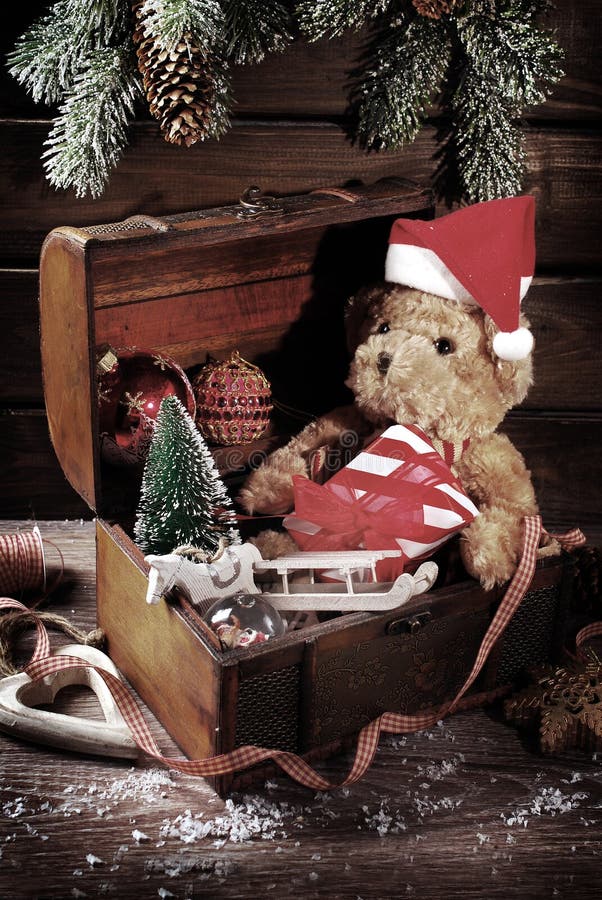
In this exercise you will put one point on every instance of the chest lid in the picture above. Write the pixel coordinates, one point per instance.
(266, 277)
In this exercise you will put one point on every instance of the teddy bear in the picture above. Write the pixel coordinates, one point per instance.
(441, 344)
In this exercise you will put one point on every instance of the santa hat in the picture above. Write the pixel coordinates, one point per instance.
(483, 254)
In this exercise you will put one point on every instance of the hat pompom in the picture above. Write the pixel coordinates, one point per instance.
(513, 345)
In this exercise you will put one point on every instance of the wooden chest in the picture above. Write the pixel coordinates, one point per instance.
(267, 278)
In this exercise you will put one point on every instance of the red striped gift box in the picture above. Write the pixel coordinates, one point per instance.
(398, 493)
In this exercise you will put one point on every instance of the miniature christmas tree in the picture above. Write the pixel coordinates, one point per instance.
(183, 500)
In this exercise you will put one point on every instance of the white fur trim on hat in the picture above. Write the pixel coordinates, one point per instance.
(525, 282)
(513, 345)
(421, 268)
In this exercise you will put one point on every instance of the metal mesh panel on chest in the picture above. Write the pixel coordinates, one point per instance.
(530, 637)
(268, 710)
(110, 227)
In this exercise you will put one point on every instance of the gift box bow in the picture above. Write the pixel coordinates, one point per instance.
(399, 493)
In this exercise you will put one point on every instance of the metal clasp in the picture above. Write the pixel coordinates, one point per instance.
(412, 624)
(254, 204)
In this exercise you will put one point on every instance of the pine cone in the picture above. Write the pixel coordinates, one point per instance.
(179, 84)
(434, 9)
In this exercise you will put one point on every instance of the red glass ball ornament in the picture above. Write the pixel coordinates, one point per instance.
(233, 400)
(131, 385)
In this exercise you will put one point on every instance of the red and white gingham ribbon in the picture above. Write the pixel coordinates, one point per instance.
(393, 723)
(586, 634)
(22, 565)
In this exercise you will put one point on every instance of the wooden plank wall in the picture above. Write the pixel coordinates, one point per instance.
(287, 137)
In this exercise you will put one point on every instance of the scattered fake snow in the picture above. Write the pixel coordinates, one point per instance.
(550, 801)
(243, 821)
(255, 817)
(384, 821)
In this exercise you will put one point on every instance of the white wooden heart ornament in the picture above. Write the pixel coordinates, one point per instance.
(19, 695)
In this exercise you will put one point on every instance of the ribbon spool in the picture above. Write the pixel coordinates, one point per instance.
(22, 562)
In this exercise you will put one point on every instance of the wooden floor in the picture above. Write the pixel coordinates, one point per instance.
(467, 809)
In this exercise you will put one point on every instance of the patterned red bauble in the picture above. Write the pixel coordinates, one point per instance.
(233, 399)
(131, 385)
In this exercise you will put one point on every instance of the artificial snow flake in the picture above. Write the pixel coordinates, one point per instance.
(549, 801)
(139, 836)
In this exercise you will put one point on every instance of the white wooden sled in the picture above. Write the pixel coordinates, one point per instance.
(237, 568)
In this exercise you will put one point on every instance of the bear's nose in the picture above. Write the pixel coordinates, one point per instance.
(383, 361)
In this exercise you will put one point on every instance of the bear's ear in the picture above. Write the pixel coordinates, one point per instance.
(361, 310)
(513, 377)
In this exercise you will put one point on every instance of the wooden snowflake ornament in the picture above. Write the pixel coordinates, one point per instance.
(567, 701)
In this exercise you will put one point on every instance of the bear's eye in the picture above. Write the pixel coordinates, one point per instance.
(443, 346)
(383, 328)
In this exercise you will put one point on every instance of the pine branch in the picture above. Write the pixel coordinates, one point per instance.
(90, 133)
(507, 63)
(517, 9)
(405, 65)
(224, 517)
(487, 141)
(255, 28)
(512, 53)
(48, 55)
(330, 18)
(199, 23)
(105, 21)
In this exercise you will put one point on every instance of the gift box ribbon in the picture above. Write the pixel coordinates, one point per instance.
(348, 519)
(398, 494)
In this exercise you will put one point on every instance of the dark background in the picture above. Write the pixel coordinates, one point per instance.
(288, 137)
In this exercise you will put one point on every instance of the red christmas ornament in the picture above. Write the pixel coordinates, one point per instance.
(131, 385)
(234, 401)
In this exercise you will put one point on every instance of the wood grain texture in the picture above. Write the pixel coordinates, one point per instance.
(141, 640)
(20, 366)
(312, 78)
(67, 351)
(566, 320)
(565, 316)
(82, 271)
(288, 135)
(466, 809)
(31, 480)
(155, 178)
(563, 454)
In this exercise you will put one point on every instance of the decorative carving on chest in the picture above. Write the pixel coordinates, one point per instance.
(402, 674)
